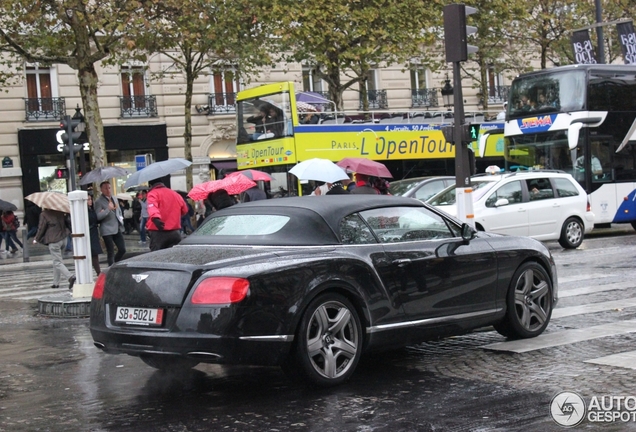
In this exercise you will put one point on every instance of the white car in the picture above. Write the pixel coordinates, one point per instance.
(545, 205)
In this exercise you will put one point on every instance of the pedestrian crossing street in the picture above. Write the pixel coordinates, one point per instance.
(17, 283)
(28, 284)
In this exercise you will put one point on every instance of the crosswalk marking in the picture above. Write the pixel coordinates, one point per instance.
(624, 360)
(593, 307)
(564, 337)
(595, 289)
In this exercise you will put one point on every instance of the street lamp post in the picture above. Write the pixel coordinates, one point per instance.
(447, 94)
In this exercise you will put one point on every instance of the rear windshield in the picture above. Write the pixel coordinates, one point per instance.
(242, 225)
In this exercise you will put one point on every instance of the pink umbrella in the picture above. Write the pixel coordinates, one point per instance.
(254, 175)
(234, 185)
(365, 166)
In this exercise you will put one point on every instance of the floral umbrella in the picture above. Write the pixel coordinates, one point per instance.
(234, 185)
(305, 107)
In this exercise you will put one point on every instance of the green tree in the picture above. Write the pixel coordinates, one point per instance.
(350, 37)
(207, 35)
(495, 53)
(77, 33)
(547, 27)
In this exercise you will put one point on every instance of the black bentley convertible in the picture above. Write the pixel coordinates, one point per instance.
(313, 283)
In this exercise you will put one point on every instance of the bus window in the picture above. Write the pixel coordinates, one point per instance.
(264, 118)
(543, 93)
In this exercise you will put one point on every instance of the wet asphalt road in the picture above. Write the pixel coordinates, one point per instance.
(53, 378)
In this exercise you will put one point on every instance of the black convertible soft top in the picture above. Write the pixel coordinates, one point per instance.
(313, 220)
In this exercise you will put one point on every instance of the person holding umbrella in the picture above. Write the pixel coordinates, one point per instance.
(165, 209)
(53, 228)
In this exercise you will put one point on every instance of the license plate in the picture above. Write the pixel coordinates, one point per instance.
(139, 316)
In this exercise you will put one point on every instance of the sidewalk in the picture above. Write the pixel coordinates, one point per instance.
(38, 254)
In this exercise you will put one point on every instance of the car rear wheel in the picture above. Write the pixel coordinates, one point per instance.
(329, 342)
(571, 234)
(168, 363)
(529, 303)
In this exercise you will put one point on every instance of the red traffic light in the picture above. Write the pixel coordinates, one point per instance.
(61, 173)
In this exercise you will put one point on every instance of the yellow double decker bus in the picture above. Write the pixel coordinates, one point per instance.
(275, 131)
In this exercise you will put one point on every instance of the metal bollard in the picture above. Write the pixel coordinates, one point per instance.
(25, 246)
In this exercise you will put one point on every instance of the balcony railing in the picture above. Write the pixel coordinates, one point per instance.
(377, 99)
(44, 109)
(221, 103)
(138, 106)
(424, 98)
(498, 94)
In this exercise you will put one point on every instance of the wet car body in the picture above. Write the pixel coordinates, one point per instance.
(400, 291)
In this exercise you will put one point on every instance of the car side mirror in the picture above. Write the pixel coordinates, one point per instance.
(468, 233)
(502, 202)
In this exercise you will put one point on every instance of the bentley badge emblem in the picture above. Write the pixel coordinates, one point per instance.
(139, 277)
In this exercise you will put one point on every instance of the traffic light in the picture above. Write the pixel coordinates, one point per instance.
(61, 173)
(69, 135)
(471, 132)
(456, 32)
(448, 132)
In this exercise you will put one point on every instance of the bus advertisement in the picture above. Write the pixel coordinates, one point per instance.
(579, 119)
(275, 132)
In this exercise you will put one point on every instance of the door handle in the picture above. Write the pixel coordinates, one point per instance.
(402, 262)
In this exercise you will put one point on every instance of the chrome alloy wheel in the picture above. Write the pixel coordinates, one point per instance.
(332, 339)
(532, 300)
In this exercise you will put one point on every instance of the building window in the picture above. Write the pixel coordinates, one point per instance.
(42, 102)
(377, 98)
(222, 99)
(134, 102)
(421, 95)
(311, 82)
(497, 92)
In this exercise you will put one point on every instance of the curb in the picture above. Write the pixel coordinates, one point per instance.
(63, 305)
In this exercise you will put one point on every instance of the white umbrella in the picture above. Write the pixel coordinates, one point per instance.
(156, 170)
(320, 170)
(99, 175)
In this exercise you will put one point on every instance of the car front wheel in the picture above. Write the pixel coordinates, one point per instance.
(571, 234)
(529, 303)
(329, 342)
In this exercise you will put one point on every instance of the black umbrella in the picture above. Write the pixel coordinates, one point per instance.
(7, 206)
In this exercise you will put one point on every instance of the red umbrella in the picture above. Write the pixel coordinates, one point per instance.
(365, 166)
(252, 174)
(234, 185)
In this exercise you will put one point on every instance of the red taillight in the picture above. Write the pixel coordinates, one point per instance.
(98, 290)
(220, 290)
(589, 207)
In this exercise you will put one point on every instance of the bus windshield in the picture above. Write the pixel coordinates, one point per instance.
(547, 93)
(264, 118)
(548, 150)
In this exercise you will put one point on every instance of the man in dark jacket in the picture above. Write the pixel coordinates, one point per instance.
(165, 208)
(53, 229)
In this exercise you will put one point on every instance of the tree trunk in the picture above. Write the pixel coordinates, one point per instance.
(94, 126)
(187, 133)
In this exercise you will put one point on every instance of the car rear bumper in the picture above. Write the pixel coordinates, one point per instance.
(248, 350)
